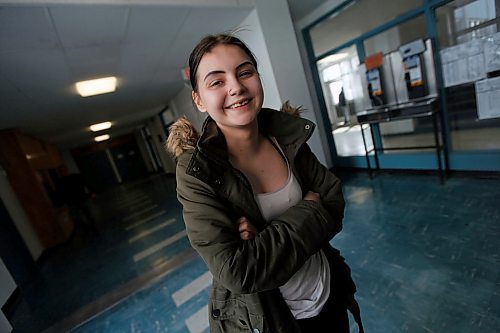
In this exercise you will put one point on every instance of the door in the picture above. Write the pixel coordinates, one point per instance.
(128, 161)
(96, 170)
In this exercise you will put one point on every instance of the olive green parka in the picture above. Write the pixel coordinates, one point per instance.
(214, 195)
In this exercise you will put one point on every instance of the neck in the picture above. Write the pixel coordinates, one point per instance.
(243, 142)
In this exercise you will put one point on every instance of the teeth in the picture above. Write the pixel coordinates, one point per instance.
(237, 105)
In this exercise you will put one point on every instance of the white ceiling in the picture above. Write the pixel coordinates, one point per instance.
(45, 49)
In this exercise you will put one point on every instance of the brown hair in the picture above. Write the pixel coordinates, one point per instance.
(206, 44)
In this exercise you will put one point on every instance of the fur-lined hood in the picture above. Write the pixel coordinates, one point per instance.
(184, 136)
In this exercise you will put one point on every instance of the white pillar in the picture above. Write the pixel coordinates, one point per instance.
(284, 53)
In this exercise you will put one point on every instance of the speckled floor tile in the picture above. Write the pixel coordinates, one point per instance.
(425, 257)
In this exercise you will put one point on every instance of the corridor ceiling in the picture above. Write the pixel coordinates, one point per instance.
(45, 47)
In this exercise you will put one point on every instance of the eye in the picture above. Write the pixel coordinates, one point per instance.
(246, 73)
(215, 83)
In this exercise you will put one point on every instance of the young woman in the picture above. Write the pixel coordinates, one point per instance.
(258, 206)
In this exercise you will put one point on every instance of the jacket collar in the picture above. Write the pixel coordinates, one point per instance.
(288, 129)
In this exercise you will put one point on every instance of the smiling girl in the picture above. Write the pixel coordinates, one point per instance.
(258, 206)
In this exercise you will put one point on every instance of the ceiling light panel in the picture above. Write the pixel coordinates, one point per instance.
(96, 87)
(101, 138)
(100, 126)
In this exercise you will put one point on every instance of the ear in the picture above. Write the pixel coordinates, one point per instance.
(198, 102)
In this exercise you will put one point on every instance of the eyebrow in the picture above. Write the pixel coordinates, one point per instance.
(222, 72)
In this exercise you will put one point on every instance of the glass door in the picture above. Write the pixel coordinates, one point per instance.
(341, 81)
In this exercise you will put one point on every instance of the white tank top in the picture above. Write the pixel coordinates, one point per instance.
(308, 289)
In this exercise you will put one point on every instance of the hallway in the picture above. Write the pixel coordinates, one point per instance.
(425, 258)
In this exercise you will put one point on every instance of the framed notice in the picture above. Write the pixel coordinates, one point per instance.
(492, 53)
(463, 63)
(488, 98)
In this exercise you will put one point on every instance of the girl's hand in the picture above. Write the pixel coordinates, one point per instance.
(312, 196)
(246, 229)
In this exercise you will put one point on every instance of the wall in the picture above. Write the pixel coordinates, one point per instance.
(159, 137)
(145, 152)
(346, 26)
(251, 32)
(317, 13)
(23, 157)
(69, 161)
(8, 287)
(19, 217)
(182, 106)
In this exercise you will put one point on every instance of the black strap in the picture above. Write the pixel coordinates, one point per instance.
(353, 307)
(344, 286)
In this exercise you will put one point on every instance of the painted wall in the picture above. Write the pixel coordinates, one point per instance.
(69, 161)
(251, 32)
(159, 137)
(19, 217)
(144, 150)
(182, 106)
(8, 287)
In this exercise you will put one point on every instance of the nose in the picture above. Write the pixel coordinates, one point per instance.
(236, 87)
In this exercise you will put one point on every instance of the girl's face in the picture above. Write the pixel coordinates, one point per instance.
(229, 87)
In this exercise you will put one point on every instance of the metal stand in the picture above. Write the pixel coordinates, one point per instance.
(425, 108)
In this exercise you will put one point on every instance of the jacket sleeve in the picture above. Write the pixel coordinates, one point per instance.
(263, 263)
(318, 178)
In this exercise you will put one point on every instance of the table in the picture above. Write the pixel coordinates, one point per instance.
(424, 107)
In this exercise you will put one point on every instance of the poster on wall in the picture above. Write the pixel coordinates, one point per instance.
(463, 63)
(488, 98)
(492, 53)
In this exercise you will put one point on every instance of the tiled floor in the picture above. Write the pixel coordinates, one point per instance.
(425, 256)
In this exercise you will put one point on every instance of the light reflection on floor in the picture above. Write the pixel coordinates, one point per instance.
(425, 258)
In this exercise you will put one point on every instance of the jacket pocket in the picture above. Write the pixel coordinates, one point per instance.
(233, 315)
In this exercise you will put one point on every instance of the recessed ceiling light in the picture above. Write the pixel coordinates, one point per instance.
(101, 137)
(100, 126)
(96, 87)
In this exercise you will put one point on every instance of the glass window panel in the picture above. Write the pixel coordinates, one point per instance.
(335, 89)
(477, 34)
(342, 86)
(465, 27)
(463, 21)
(393, 38)
(474, 13)
(344, 97)
(409, 132)
(331, 73)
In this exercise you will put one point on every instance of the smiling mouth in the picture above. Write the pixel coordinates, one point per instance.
(239, 104)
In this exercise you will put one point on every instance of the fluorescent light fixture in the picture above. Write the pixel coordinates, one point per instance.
(100, 126)
(96, 87)
(101, 137)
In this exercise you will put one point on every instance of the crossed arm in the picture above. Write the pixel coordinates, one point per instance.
(248, 231)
